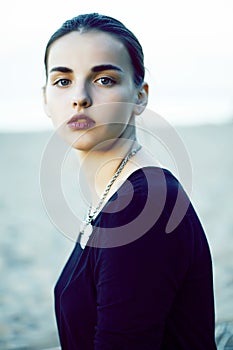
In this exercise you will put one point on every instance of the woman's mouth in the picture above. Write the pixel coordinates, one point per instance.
(80, 122)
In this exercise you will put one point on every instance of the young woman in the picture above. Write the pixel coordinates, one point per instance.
(128, 284)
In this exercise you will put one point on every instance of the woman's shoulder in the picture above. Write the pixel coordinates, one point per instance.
(151, 180)
(147, 198)
(154, 174)
(161, 188)
(148, 188)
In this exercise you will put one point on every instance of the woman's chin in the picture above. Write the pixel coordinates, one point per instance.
(85, 146)
(96, 139)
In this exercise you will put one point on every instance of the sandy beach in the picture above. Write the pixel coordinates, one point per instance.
(33, 251)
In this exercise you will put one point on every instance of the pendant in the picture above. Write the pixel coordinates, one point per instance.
(85, 233)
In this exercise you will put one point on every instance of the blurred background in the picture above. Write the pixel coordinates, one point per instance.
(188, 55)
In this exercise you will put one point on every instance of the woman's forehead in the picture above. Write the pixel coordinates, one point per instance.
(92, 46)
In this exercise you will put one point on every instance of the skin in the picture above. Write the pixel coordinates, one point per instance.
(81, 90)
(84, 85)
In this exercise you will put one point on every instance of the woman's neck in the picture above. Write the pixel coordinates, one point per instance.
(100, 166)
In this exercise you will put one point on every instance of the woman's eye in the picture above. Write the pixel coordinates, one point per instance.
(63, 82)
(106, 81)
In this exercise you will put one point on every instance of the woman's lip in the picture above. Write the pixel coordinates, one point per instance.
(80, 122)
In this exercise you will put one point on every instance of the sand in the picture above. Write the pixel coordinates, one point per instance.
(33, 251)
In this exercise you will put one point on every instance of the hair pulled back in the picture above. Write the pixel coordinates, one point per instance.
(95, 21)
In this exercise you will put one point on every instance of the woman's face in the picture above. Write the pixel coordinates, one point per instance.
(90, 93)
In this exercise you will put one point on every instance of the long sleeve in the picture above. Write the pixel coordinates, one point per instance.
(155, 292)
(135, 291)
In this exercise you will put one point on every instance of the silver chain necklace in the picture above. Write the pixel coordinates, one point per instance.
(97, 209)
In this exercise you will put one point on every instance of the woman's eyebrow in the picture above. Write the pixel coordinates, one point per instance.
(103, 67)
(61, 69)
(95, 69)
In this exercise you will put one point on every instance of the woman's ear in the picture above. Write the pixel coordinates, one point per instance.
(142, 99)
(45, 104)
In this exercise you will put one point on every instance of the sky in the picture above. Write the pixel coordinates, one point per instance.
(188, 48)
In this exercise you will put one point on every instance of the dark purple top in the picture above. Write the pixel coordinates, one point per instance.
(135, 286)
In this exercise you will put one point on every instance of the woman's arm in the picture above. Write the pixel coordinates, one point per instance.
(157, 289)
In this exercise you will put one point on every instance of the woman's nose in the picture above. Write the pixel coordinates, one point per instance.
(81, 100)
